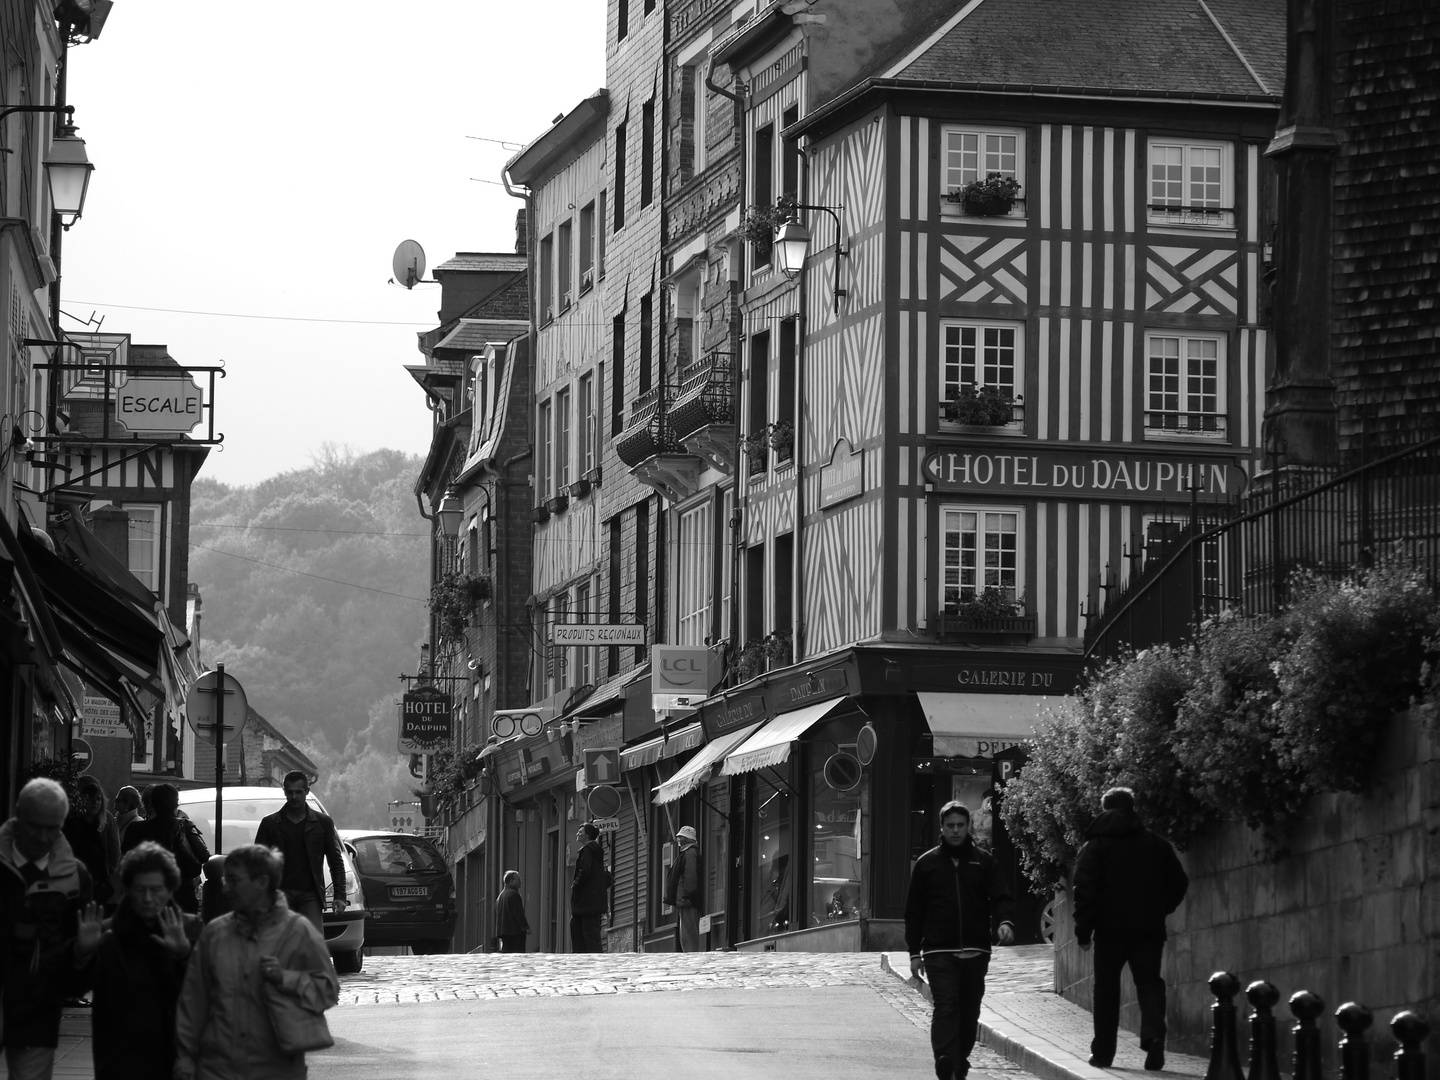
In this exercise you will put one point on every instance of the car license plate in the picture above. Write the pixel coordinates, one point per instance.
(397, 891)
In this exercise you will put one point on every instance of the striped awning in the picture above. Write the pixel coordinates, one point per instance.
(771, 744)
(697, 770)
(652, 750)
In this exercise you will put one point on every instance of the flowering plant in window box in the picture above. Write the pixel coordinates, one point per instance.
(779, 649)
(758, 224)
(992, 197)
(756, 446)
(782, 439)
(985, 406)
(453, 600)
(751, 661)
(988, 603)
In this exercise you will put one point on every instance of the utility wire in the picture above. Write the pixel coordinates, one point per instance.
(243, 315)
(303, 573)
(287, 528)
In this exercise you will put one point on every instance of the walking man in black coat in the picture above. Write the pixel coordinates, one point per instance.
(1127, 879)
(305, 839)
(956, 903)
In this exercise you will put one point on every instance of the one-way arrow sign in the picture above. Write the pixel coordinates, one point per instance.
(602, 766)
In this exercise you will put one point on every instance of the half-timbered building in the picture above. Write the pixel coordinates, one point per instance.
(1028, 342)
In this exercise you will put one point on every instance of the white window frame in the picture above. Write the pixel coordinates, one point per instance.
(563, 456)
(992, 156)
(1011, 577)
(695, 566)
(983, 365)
(727, 564)
(584, 655)
(587, 421)
(1190, 419)
(542, 459)
(1199, 201)
(144, 516)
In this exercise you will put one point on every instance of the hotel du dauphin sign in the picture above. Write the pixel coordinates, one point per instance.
(1083, 473)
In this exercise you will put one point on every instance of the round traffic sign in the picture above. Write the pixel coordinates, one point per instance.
(842, 771)
(866, 743)
(200, 707)
(602, 802)
(81, 755)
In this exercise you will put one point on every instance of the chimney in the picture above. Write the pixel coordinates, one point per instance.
(521, 246)
(111, 525)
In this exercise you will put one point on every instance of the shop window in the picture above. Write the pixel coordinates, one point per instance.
(835, 878)
(772, 872)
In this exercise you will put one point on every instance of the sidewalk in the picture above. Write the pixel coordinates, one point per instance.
(1026, 1022)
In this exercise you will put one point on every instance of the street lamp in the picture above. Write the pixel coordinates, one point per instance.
(450, 513)
(68, 171)
(792, 243)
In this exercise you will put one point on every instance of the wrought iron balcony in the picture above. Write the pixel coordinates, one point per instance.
(649, 447)
(702, 414)
(992, 628)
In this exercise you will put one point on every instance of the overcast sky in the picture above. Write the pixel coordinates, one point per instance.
(256, 165)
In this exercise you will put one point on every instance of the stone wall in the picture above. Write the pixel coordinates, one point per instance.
(1349, 908)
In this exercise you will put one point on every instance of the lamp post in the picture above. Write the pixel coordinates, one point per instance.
(792, 242)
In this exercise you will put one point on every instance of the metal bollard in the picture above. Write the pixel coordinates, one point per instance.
(1354, 1020)
(1306, 1008)
(1264, 1063)
(1410, 1031)
(1224, 1055)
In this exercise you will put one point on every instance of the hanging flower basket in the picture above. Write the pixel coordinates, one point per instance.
(453, 600)
(758, 224)
(984, 406)
(992, 197)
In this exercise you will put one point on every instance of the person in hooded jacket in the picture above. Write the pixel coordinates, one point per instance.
(139, 970)
(1127, 880)
(956, 903)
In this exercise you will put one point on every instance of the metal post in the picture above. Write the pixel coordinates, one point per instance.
(219, 731)
(1264, 1065)
(1224, 1056)
(1354, 1020)
(1306, 1008)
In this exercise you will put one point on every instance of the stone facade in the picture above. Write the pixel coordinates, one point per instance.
(1347, 907)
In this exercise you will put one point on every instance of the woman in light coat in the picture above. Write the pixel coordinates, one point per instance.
(222, 1027)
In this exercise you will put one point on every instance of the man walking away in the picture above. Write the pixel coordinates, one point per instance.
(48, 927)
(957, 900)
(305, 838)
(682, 890)
(511, 926)
(1127, 879)
(177, 835)
(589, 892)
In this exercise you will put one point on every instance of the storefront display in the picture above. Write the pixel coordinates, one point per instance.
(771, 908)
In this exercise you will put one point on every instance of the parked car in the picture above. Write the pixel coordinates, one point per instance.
(409, 891)
(240, 820)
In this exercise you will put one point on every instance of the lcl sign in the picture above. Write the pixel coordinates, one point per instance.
(678, 676)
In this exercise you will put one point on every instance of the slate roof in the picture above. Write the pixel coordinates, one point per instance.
(1162, 46)
(473, 334)
(483, 262)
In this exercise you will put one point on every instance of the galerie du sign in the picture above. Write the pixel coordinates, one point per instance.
(424, 720)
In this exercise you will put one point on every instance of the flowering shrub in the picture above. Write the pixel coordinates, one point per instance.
(1245, 723)
(453, 600)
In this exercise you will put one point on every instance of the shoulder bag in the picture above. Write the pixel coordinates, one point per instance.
(297, 1029)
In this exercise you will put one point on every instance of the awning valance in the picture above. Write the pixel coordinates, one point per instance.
(652, 750)
(697, 770)
(771, 744)
(977, 725)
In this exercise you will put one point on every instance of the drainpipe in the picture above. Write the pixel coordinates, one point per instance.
(802, 328)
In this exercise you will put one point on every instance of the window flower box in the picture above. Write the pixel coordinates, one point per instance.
(992, 197)
(540, 514)
(557, 503)
(983, 406)
(782, 439)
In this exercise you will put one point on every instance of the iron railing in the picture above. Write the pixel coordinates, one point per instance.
(648, 432)
(1292, 521)
(704, 396)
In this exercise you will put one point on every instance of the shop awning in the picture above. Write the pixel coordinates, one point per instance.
(771, 744)
(652, 750)
(610, 691)
(976, 725)
(697, 770)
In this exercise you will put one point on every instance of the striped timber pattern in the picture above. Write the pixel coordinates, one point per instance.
(151, 472)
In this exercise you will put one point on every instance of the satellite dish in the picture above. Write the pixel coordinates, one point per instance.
(408, 263)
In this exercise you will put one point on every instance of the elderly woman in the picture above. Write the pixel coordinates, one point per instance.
(139, 968)
(223, 1028)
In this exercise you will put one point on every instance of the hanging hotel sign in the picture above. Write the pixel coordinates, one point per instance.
(166, 404)
(1080, 473)
(424, 720)
(584, 634)
(843, 476)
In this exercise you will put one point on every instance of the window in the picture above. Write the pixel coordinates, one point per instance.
(981, 550)
(562, 439)
(758, 451)
(587, 246)
(647, 153)
(764, 194)
(837, 878)
(1161, 539)
(145, 545)
(1184, 385)
(790, 157)
(727, 564)
(584, 657)
(975, 355)
(617, 375)
(695, 563)
(647, 336)
(563, 254)
(547, 279)
(542, 458)
(649, 6)
(600, 237)
(770, 846)
(622, 19)
(1190, 184)
(694, 101)
(588, 424)
(974, 153)
(643, 570)
(785, 405)
(619, 177)
(560, 662)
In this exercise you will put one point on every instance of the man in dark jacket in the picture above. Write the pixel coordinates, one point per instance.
(956, 902)
(306, 838)
(682, 888)
(511, 925)
(1127, 879)
(589, 892)
(49, 928)
(177, 835)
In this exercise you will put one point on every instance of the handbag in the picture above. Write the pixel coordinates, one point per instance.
(297, 1029)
